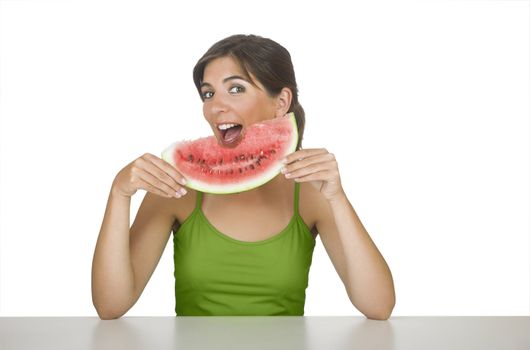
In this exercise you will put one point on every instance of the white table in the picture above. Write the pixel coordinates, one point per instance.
(256, 332)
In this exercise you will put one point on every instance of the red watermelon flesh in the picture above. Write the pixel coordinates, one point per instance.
(255, 160)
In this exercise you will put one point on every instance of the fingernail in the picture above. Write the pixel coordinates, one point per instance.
(283, 170)
(177, 194)
(183, 191)
(182, 181)
(284, 160)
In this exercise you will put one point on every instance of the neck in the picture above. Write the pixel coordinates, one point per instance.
(262, 193)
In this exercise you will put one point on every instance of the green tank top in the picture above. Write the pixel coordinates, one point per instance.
(218, 275)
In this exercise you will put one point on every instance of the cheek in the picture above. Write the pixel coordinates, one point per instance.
(206, 113)
(254, 104)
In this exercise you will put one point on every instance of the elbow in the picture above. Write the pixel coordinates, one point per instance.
(108, 314)
(108, 317)
(111, 308)
(380, 310)
(381, 314)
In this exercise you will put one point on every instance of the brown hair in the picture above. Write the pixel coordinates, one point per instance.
(267, 60)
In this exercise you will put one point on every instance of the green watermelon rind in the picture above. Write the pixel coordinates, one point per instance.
(244, 185)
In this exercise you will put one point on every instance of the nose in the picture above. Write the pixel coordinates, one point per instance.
(217, 104)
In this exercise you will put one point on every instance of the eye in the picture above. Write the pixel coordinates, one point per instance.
(205, 95)
(237, 89)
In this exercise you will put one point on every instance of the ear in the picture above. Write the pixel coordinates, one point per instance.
(283, 102)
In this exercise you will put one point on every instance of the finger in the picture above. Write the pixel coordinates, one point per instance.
(302, 154)
(327, 175)
(309, 161)
(310, 169)
(168, 168)
(144, 185)
(159, 174)
(158, 184)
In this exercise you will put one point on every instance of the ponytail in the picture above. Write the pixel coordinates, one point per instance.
(299, 115)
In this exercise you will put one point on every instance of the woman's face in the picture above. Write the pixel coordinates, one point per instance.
(229, 98)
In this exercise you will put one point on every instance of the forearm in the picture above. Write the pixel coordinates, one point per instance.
(370, 285)
(112, 272)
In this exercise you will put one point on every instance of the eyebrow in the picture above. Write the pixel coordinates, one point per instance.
(226, 79)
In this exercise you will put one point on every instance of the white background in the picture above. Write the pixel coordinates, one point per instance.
(424, 103)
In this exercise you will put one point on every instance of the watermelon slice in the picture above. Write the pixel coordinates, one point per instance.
(255, 160)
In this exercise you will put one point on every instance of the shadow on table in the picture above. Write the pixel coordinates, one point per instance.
(236, 332)
(114, 334)
(349, 333)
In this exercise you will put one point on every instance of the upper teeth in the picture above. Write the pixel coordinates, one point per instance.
(226, 126)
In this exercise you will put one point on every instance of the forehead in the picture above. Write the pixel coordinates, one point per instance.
(222, 66)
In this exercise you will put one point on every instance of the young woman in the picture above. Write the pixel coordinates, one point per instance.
(246, 253)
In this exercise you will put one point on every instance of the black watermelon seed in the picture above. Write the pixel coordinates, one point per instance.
(236, 159)
(190, 158)
(240, 171)
(258, 163)
(272, 151)
(231, 171)
(221, 161)
(251, 166)
(241, 157)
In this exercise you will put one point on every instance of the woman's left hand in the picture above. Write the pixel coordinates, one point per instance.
(316, 166)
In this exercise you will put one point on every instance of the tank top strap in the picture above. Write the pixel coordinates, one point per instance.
(198, 201)
(296, 195)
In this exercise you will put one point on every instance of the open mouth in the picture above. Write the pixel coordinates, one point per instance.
(230, 134)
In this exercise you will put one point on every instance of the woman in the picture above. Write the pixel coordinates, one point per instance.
(246, 253)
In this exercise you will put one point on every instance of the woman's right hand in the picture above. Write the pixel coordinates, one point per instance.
(152, 174)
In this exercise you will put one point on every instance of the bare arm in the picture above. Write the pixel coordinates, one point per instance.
(358, 262)
(370, 283)
(112, 271)
(124, 259)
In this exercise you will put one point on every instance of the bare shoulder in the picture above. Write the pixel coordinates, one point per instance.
(311, 204)
(181, 207)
